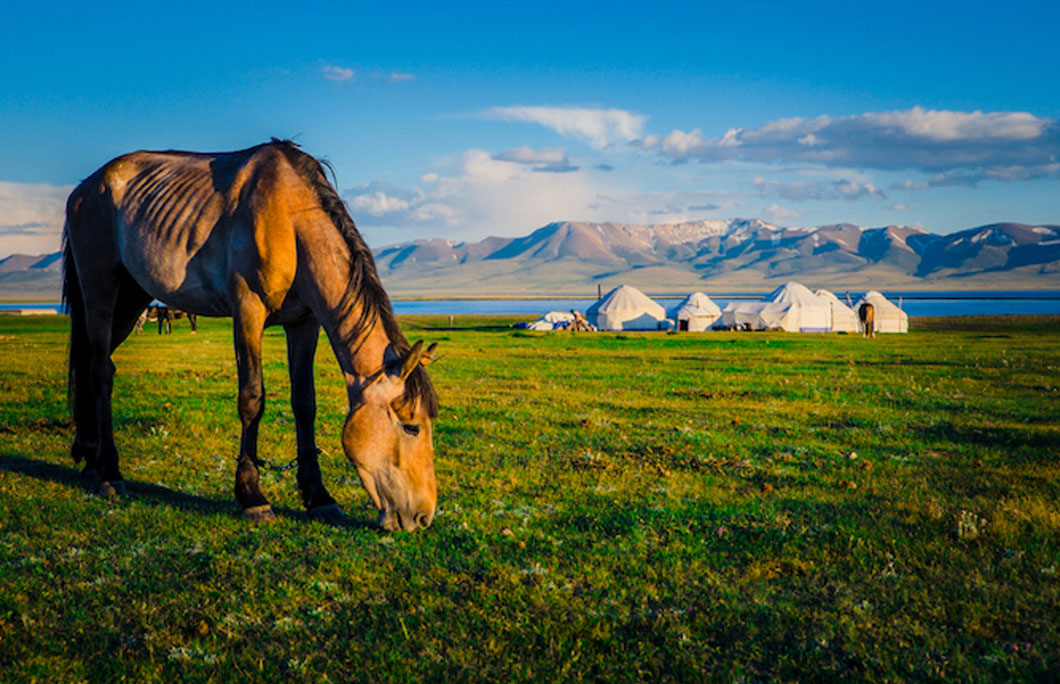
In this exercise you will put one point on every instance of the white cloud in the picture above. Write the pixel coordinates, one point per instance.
(526, 155)
(946, 125)
(931, 140)
(680, 144)
(778, 214)
(397, 76)
(913, 186)
(337, 73)
(852, 190)
(1013, 172)
(599, 127)
(903, 207)
(793, 190)
(488, 195)
(797, 191)
(378, 203)
(550, 159)
(31, 217)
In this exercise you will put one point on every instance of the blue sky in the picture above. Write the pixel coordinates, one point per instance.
(496, 118)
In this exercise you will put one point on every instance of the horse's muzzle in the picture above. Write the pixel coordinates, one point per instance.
(398, 521)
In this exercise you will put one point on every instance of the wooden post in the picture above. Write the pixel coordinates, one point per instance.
(599, 293)
(450, 320)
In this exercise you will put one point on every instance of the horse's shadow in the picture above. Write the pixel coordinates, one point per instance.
(152, 494)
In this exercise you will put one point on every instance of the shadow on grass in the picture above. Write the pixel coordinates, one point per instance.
(152, 494)
(1033, 436)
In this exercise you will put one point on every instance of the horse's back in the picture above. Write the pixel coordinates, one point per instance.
(178, 222)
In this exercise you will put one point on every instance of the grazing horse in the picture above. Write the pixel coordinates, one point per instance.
(259, 235)
(165, 315)
(867, 314)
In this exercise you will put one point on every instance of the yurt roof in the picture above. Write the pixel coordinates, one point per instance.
(626, 299)
(877, 300)
(695, 304)
(827, 294)
(795, 293)
(832, 299)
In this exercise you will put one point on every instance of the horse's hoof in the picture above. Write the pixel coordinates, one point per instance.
(329, 514)
(259, 513)
(111, 488)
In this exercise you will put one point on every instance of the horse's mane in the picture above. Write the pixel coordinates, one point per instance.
(364, 287)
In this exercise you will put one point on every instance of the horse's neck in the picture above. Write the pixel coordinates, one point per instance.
(360, 353)
(324, 274)
(367, 355)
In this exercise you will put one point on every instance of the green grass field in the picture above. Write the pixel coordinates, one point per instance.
(618, 507)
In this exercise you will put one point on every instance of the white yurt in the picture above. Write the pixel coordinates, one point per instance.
(551, 320)
(843, 317)
(791, 307)
(889, 318)
(695, 314)
(625, 308)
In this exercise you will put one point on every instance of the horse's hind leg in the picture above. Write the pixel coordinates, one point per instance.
(82, 398)
(302, 340)
(94, 442)
(249, 324)
(100, 301)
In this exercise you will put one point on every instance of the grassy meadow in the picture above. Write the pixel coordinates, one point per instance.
(618, 507)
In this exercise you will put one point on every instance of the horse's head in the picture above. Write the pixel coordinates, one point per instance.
(388, 437)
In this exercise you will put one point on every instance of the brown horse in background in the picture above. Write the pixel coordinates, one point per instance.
(259, 235)
(867, 315)
(164, 315)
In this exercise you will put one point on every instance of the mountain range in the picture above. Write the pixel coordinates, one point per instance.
(751, 254)
(571, 257)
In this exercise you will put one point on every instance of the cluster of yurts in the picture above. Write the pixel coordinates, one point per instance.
(791, 307)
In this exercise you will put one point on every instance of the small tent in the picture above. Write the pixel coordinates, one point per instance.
(625, 308)
(888, 317)
(695, 314)
(553, 320)
(791, 307)
(843, 317)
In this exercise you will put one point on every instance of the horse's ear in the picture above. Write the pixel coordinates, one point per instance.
(412, 359)
(428, 355)
(373, 380)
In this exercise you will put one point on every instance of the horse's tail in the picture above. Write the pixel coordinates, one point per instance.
(73, 304)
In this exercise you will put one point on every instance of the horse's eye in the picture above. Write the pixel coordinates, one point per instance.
(411, 429)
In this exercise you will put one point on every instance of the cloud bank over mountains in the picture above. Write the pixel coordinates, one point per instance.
(963, 147)
(599, 127)
(801, 162)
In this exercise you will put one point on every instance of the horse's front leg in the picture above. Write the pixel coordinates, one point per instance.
(302, 340)
(248, 325)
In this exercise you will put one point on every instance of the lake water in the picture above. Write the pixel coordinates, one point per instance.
(915, 303)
